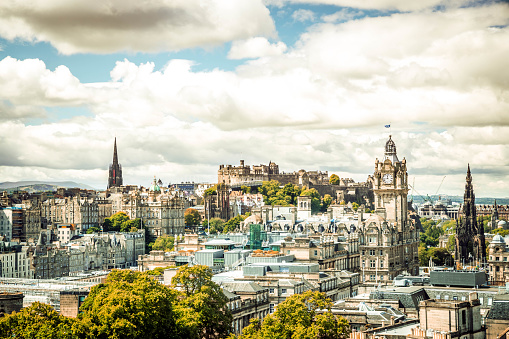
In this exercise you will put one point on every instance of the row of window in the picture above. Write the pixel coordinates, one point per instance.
(498, 258)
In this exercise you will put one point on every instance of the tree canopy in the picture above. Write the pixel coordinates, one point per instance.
(164, 243)
(37, 321)
(334, 179)
(204, 299)
(130, 305)
(192, 217)
(276, 194)
(120, 222)
(216, 225)
(302, 316)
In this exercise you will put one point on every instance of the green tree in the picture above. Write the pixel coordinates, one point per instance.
(120, 222)
(164, 243)
(275, 194)
(158, 270)
(211, 316)
(37, 321)
(131, 305)
(440, 256)
(355, 206)
(306, 315)
(211, 191)
(423, 255)
(216, 225)
(93, 230)
(315, 198)
(451, 243)
(192, 217)
(500, 231)
(326, 202)
(334, 179)
(233, 224)
(245, 189)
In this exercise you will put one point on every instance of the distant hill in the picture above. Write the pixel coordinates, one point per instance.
(40, 186)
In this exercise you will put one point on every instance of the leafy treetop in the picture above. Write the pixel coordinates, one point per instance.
(306, 315)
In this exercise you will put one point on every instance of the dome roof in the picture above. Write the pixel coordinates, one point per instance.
(502, 223)
(155, 187)
(497, 239)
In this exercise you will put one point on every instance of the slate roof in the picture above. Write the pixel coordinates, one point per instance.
(243, 286)
(500, 308)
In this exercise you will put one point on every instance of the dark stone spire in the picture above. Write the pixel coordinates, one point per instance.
(115, 157)
(115, 177)
(470, 242)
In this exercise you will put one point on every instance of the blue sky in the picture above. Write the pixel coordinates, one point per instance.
(188, 85)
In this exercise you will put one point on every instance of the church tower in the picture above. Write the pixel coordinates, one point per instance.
(115, 177)
(470, 242)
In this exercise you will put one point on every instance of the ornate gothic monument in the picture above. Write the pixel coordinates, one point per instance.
(470, 244)
(115, 178)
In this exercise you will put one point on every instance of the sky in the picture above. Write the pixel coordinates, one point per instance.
(188, 85)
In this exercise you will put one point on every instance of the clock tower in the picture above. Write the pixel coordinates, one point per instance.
(391, 187)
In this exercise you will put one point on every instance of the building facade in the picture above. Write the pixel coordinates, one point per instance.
(388, 239)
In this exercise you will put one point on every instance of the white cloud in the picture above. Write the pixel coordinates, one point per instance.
(120, 25)
(439, 78)
(400, 5)
(303, 15)
(255, 48)
(29, 82)
(344, 14)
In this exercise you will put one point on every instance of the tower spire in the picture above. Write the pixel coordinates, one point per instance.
(115, 157)
(115, 177)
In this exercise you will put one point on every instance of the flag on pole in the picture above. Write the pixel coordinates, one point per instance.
(387, 126)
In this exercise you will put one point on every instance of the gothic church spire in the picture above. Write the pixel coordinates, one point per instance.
(115, 175)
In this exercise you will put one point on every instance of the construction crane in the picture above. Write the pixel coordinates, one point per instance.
(427, 198)
(438, 189)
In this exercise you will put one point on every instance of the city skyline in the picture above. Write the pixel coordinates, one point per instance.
(308, 84)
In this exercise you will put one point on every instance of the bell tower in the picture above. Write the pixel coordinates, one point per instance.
(391, 187)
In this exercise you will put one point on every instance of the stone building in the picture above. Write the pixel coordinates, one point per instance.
(83, 212)
(497, 320)
(388, 239)
(470, 243)
(246, 301)
(458, 319)
(498, 260)
(71, 301)
(11, 222)
(161, 210)
(499, 212)
(10, 302)
(244, 175)
(14, 262)
(237, 176)
(32, 221)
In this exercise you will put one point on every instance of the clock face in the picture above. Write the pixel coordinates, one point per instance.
(387, 178)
